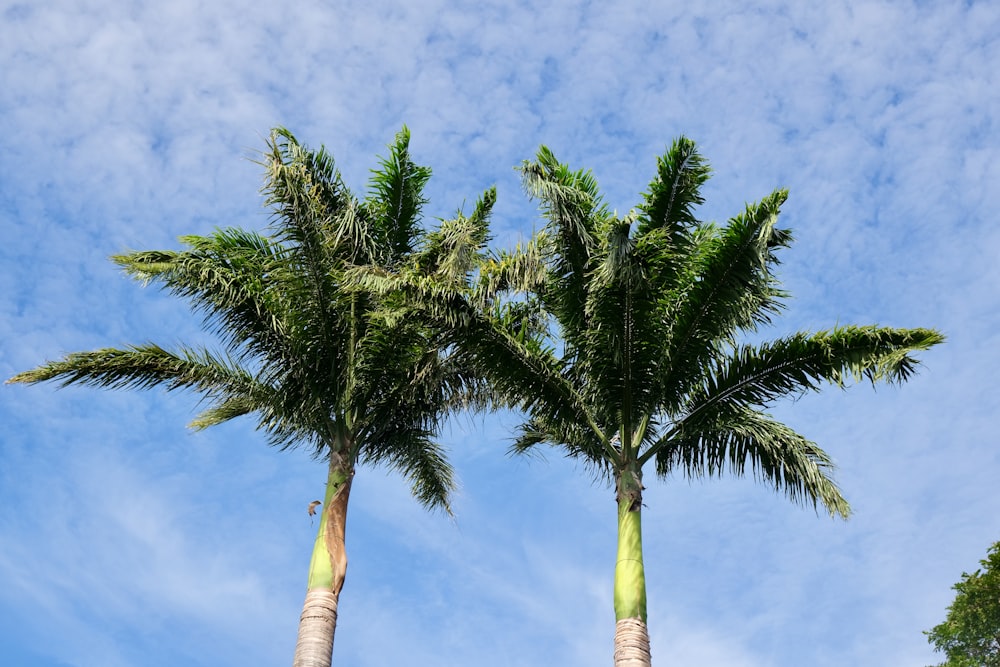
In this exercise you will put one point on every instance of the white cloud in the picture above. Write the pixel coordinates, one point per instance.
(130, 124)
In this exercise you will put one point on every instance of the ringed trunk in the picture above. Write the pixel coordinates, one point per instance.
(327, 570)
(631, 634)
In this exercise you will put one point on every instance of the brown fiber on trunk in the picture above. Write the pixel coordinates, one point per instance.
(631, 643)
(336, 531)
(318, 623)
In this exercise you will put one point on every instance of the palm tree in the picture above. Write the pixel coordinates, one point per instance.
(319, 366)
(625, 345)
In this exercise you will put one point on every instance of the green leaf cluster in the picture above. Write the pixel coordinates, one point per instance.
(970, 635)
(317, 364)
(623, 339)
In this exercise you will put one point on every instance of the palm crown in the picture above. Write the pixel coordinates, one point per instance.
(652, 309)
(316, 364)
(623, 341)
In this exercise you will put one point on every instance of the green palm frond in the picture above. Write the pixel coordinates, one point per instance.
(315, 213)
(775, 454)
(616, 258)
(757, 375)
(575, 439)
(521, 370)
(520, 272)
(140, 367)
(406, 407)
(289, 418)
(228, 408)
(570, 200)
(729, 288)
(420, 460)
(615, 357)
(672, 196)
(316, 221)
(228, 276)
(455, 249)
(395, 200)
(286, 412)
(574, 210)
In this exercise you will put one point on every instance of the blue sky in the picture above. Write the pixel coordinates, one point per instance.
(127, 540)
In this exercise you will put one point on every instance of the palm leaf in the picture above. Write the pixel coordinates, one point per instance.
(775, 454)
(455, 249)
(672, 196)
(223, 275)
(572, 205)
(759, 374)
(140, 367)
(395, 200)
(728, 288)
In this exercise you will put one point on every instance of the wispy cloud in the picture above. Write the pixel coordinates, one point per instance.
(129, 124)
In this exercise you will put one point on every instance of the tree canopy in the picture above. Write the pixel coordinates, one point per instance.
(317, 364)
(624, 342)
(970, 634)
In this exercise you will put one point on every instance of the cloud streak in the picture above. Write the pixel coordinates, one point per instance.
(130, 124)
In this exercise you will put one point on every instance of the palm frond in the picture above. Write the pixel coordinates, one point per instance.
(455, 250)
(229, 276)
(287, 424)
(759, 374)
(775, 454)
(672, 196)
(519, 273)
(315, 215)
(288, 413)
(519, 368)
(573, 208)
(423, 462)
(616, 360)
(139, 367)
(408, 388)
(728, 288)
(575, 439)
(395, 200)
(224, 410)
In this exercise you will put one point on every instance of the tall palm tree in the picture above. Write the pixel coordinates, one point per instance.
(318, 366)
(625, 345)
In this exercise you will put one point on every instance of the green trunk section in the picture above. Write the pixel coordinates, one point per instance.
(329, 557)
(630, 577)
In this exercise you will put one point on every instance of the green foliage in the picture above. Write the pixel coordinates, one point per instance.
(621, 338)
(317, 362)
(970, 635)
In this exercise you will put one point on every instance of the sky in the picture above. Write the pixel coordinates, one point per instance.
(128, 540)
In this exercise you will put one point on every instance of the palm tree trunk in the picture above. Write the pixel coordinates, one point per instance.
(314, 647)
(631, 634)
